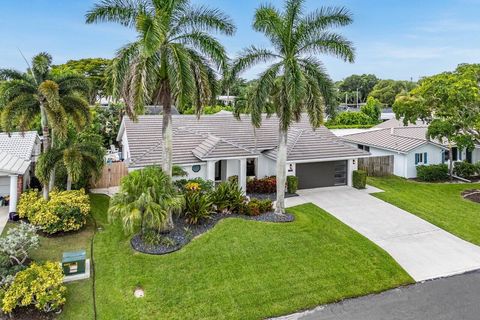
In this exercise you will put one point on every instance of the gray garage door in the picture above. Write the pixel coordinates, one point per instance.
(321, 174)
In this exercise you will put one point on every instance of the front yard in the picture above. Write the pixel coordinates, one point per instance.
(439, 203)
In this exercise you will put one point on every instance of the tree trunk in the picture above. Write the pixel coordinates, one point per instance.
(281, 170)
(69, 182)
(450, 160)
(51, 182)
(45, 142)
(167, 137)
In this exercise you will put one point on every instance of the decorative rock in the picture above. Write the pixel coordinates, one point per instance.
(139, 293)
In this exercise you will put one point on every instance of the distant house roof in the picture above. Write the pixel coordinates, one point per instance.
(19, 144)
(401, 139)
(394, 123)
(11, 164)
(223, 136)
(156, 110)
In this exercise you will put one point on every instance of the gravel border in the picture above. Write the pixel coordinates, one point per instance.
(183, 233)
(271, 196)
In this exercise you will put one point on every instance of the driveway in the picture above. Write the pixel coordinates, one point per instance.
(422, 249)
(452, 298)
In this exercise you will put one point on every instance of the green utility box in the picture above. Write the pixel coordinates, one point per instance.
(74, 262)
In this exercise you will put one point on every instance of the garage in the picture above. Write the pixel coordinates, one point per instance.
(321, 174)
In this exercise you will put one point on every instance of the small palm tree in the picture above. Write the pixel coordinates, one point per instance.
(81, 155)
(38, 93)
(296, 81)
(173, 60)
(146, 199)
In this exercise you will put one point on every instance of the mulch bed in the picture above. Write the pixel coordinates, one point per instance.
(29, 313)
(472, 195)
(183, 232)
(271, 196)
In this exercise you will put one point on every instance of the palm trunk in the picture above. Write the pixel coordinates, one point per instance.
(45, 142)
(450, 160)
(167, 143)
(281, 170)
(69, 182)
(51, 182)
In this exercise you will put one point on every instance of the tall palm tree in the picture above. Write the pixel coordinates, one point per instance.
(296, 81)
(173, 61)
(146, 199)
(80, 154)
(38, 93)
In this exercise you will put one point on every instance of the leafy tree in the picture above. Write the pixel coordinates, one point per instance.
(106, 122)
(372, 109)
(146, 200)
(387, 90)
(296, 80)
(19, 242)
(351, 118)
(450, 102)
(172, 62)
(37, 92)
(81, 154)
(363, 83)
(94, 70)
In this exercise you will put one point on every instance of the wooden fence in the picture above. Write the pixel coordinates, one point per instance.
(376, 166)
(111, 176)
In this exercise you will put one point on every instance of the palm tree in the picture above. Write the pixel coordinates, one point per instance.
(146, 199)
(38, 93)
(296, 80)
(80, 154)
(173, 60)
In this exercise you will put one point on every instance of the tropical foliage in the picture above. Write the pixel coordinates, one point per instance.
(228, 198)
(146, 200)
(356, 86)
(172, 62)
(106, 122)
(40, 285)
(295, 80)
(387, 90)
(18, 243)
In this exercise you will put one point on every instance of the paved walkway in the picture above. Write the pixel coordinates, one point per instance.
(3, 217)
(452, 298)
(108, 191)
(422, 249)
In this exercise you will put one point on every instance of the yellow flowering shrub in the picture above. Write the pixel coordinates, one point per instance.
(40, 285)
(65, 211)
(192, 186)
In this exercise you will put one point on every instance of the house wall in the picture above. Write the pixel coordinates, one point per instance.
(266, 167)
(192, 175)
(476, 155)
(434, 157)
(125, 147)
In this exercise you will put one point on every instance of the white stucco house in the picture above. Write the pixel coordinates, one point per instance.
(409, 145)
(18, 153)
(217, 147)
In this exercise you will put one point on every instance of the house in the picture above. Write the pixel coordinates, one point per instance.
(18, 153)
(409, 146)
(217, 147)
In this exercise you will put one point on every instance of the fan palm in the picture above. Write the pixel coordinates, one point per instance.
(146, 199)
(296, 81)
(81, 154)
(26, 96)
(173, 61)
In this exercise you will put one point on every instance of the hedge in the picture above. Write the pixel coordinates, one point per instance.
(359, 179)
(433, 172)
(465, 169)
(292, 184)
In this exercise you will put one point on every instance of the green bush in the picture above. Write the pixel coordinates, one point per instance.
(154, 238)
(359, 179)
(254, 208)
(40, 286)
(351, 118)
(204, 185)
(433, 172)
(292, 184)
(465, 169)
(198, 206)
(228, 198)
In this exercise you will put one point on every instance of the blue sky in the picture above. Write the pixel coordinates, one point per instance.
(399, 39)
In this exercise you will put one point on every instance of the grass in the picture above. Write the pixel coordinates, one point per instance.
(439, 203)
(241, 270)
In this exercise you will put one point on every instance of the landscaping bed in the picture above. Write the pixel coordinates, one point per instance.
(183, 232)
(472, 195)
(271, 196)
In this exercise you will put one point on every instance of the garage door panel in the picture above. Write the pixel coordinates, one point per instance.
(321, 174)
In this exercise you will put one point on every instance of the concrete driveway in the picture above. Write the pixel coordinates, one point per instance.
(422, 249)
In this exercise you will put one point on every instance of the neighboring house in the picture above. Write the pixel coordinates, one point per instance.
(217, 147)
(409, 145)
(18, 153)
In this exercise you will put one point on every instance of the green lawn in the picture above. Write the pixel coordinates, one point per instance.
(242, 270)
(438, 203)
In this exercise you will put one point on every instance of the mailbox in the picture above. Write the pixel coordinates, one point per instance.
(74, 262)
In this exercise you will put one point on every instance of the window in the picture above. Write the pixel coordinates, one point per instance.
(421, 158)
(365, 148)
(196, 168)
(251, 168)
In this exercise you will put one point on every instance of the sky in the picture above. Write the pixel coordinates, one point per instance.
(394, 39)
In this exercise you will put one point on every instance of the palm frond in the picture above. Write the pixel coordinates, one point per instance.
(329, 43)
(203, 19)
(123, 12)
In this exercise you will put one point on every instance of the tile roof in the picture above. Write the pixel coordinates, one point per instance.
(11, 164)
(223, 136)
(394, 123)
(19, 144)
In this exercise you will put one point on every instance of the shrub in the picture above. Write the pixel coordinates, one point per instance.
(65, 211)
(359, 179)
(38, 285)
(233, 179)
(264, 185)
(204, 186)
(266, 205)
(254, 208)
(154, 238)
(351, 118)
(433, 172)
(292, 184)
(228, 198)
(465, 169)
(18, 243)
(198, 206)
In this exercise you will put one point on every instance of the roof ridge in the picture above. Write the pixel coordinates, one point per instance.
(301, 131)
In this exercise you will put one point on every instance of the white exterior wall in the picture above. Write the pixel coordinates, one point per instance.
(232, 168)
(266, 167)
(434, 155)
(125, 147)
(192, 175)
(476, 155)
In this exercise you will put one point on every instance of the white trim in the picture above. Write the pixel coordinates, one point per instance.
(329, 159)
(231, 158)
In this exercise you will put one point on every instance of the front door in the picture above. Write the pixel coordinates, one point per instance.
(218, 171)
(469, 156)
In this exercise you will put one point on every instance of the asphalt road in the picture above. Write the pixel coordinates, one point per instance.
(453, 298)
